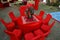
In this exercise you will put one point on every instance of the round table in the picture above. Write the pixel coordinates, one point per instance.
(30, 26)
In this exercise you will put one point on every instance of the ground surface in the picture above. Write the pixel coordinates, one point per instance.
(55, 31)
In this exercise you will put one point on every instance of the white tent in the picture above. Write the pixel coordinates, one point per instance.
(44, 1)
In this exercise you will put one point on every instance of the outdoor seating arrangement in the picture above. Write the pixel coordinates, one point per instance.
(32, 30)
(28, 25)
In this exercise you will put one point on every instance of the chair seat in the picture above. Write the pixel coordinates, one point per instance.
(17, 32)
(29, 36)
(45, 28)
(38, 32)
(14, 35)
(10, 26)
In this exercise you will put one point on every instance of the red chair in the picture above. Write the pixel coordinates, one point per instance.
(47, 19)
(15, 35)
(1, 5)
(6, 4)
(47, 28)
(38, 32)
(36, 4)
(39, 35)
(12, 16)
(29, 36)
(41, 14)
(22, 10)
(35, 36)
(9, 26)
